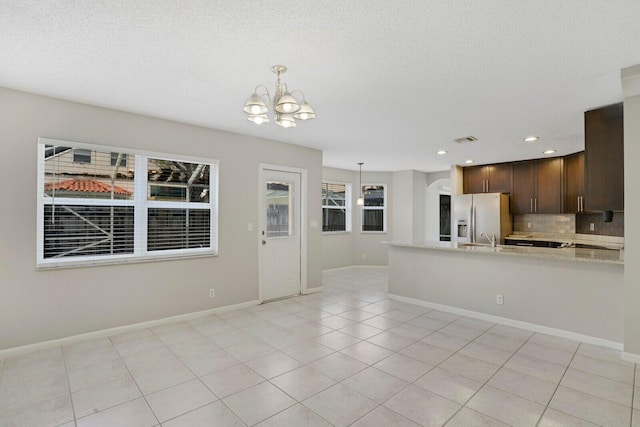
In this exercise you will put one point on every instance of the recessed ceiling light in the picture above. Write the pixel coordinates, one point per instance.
(468, 161)
(441, 152)
(548, 151)
(531, 139)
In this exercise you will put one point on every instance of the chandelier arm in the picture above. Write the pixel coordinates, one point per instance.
(261, 95)
(298, 90)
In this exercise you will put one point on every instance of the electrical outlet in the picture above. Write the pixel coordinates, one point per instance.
(212, 293)
(499, 299)
(528, 225)
(592, 226)
(364, 256)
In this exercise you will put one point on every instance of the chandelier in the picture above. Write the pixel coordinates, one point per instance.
(285, 108)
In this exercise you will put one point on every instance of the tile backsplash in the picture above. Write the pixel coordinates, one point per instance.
(613, 228)
(569, 224)
(538, 223)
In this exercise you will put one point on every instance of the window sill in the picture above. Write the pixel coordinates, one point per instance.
(335, 233)
(373, 232)
(121, 261)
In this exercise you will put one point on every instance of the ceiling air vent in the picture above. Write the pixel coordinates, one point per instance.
(465, 139)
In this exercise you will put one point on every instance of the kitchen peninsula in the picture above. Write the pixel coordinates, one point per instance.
(571, 292)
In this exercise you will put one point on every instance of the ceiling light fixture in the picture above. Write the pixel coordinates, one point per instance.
(468, 161)
(548, 151)
(360, 201)
(285, 108)
(441, 152)
(531, 139)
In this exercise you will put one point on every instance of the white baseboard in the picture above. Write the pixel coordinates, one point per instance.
(17, 351)
(351, 267)
(516, 324)
(312, 290)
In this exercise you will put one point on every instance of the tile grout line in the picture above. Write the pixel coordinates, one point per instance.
(489, 379)
(558, 386)
(66, 376)
(633, 391)
(133, 378)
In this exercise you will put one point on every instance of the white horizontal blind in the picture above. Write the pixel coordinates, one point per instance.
(97, 204)
(178, 208)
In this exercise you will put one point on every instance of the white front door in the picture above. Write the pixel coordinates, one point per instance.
(280, 257)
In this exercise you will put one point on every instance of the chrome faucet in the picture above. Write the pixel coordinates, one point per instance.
(491, 239)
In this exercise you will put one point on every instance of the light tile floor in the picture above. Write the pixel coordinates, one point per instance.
(347, 356)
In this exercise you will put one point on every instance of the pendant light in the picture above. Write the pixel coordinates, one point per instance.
(360, 201)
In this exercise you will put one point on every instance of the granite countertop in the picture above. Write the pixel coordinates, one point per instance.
(570, 254)
(609, 242)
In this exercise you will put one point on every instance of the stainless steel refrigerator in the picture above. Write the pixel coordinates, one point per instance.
(476, 214)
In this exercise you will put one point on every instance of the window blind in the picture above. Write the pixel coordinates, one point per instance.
(123, 204)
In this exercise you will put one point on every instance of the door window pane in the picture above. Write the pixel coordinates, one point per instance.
(279, 212)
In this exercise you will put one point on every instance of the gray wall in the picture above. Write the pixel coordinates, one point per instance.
(37, 306)
(576, 296)
(355, 248)
(631, 88)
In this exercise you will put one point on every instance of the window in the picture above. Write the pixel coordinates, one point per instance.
(81, 155)
(123, 159)
(336, 207)
(143, 207)
(374, 211)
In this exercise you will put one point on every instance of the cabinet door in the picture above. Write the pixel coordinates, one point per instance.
(574, 180)
(474, 178)
(523, 187)
(604, 158)
(548, 197)
(499, 178)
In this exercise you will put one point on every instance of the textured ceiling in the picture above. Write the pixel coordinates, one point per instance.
(391, 82)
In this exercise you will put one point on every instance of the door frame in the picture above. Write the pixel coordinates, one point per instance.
(303, 220)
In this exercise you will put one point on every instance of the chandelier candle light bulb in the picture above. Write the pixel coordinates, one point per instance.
(285, 107)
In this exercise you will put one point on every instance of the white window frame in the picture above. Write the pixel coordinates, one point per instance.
(141, 205)
(347, 206)
(374, 208)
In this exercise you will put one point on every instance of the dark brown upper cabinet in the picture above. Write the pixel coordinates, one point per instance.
(574, 200)
(494, 178)
(537, 186)
(604, 158)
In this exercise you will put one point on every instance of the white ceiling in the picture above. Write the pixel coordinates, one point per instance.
(391, 81)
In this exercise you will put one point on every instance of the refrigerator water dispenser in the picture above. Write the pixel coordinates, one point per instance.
(462, 228)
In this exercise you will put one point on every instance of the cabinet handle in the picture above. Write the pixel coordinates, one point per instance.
(535, 205)
(530, 205)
